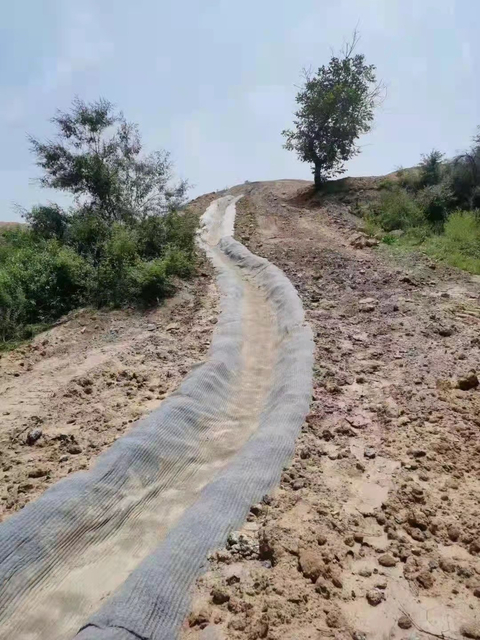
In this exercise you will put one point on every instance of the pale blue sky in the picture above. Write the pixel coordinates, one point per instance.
(213, 81)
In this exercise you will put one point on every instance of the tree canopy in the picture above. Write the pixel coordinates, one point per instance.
(336, 106)
(97, 156)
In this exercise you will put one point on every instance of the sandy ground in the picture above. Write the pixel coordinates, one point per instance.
(70, 393)
(375, 529)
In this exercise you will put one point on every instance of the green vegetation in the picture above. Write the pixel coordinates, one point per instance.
(336, 106)
(436, 205)
(121, 243)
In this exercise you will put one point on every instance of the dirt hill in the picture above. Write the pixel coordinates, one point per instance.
(375, 528)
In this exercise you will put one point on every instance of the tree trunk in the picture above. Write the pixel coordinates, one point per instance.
(318, 176)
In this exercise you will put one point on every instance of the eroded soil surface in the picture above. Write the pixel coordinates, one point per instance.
(374, 531)
(70, 393)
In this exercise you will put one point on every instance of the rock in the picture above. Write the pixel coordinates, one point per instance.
(333, 619)
(349, 541)
(370, 453)
(374, 597)
(199, 617)
(74, 449)
(311, 564)
(476, 592)
(474, 548)
(404, 622)
(467, 382)
(453, 532)
(33, 436)
(322, 588)
(365, 573)
(336, 580)
(418, 519)
(219, 596)
(298, 484)
(425, 579)
(471, 629)
(38, 473)
(381, 583)
(446, 565)
(387, 560)
(257, 509)
(321, 539)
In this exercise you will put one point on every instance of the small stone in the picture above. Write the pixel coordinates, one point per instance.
(199, 618)
(322, 588)
(425, 579)
(37, 473)
(404, 622)
(374, 597)
(349, 541)
(311, 564)
(370, 453)
(453, 532)
(298, 484)
(358, 537)
(33, 436)
(219, 596)
(446, 565)
(365, 573)
(74, 449)
(474, 548)
(333, 619)
(467, 382)
(387, 560)
(321, 539)
(381, 583)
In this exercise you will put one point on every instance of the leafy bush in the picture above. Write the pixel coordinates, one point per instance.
(431, 168)
(39, 280)
(397, 210)
(121, 243)
(436, 202)
(148, 282)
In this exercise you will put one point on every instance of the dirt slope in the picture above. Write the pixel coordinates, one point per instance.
(375, 529)
(70, 393)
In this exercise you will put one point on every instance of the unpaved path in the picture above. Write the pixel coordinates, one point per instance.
(375, 529)
(63, 556)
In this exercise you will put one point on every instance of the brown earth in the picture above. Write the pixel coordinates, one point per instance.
(70, 393)
(374, 531)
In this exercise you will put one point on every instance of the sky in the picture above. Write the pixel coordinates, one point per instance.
(214, 81)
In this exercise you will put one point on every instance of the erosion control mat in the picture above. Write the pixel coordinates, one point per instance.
(127, 539)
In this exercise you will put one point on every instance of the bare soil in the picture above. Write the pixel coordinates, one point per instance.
(374, 531)
(72, 391)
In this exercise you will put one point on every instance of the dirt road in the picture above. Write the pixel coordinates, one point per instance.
(374, 531)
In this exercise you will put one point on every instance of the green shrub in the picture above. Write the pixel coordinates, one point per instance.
(462, 229)
(431, 168)
(147, 282)
(436, 202)
(397, 209)
(39, 283)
